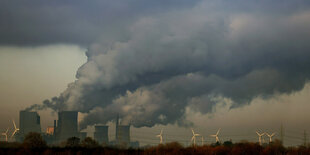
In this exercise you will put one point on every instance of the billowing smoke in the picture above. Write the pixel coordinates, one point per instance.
(191, 57)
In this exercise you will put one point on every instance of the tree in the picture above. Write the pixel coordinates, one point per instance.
(73, 142)
(89, 143)
(34, 140)
(228, 143)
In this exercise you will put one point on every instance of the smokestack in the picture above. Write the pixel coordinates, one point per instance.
(67, 125)
(101, 134)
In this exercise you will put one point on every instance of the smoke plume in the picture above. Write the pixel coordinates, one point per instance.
(191, 57)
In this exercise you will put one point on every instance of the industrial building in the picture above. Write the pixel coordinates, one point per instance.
(67, 125)
(122, 135)
(28, 122)
(101, 134)
(50, 130)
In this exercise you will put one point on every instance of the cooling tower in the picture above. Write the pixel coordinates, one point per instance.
(101, 134)
(67, 125)
(123, 134)
(29, 122)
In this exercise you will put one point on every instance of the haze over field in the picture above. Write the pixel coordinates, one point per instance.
(240, 65)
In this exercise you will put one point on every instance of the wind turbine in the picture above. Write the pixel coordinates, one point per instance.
(216, 135)
(194, 137)
(160, 136)
(260, 137)
(270, 136)
(5, 134)
(202, 140)
(15, 129)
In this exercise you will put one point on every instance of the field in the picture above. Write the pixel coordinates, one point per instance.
(242, 148)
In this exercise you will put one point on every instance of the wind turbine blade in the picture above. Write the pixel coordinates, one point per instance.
(193, 132)
(218, 131)
(193, 138)
(273, 134)
(13, 134)
(14, 124)
(257, 133)
(161, 131)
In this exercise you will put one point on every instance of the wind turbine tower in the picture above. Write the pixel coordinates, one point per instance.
(160, 136)
(5, 134)
(15, 129)
(270, 136)
(216, 136)
(260, 137)
(194, 137)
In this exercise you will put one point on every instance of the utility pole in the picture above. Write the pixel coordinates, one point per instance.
(305, 138)
(282, 134)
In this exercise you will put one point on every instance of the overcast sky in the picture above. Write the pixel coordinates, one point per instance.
(240, 65)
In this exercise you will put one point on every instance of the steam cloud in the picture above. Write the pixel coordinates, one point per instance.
(190, 57)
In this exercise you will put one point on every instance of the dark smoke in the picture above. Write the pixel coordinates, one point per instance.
(35, 22)
(193, 57)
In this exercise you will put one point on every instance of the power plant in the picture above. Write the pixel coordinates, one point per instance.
(122, 136)
(67, 126)
(28, 122)
(101, 134)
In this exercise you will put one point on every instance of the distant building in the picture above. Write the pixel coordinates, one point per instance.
(122, 136)
(67, 125)
(134, 144)
(101, 134)
(28, 122)
(50, 130)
